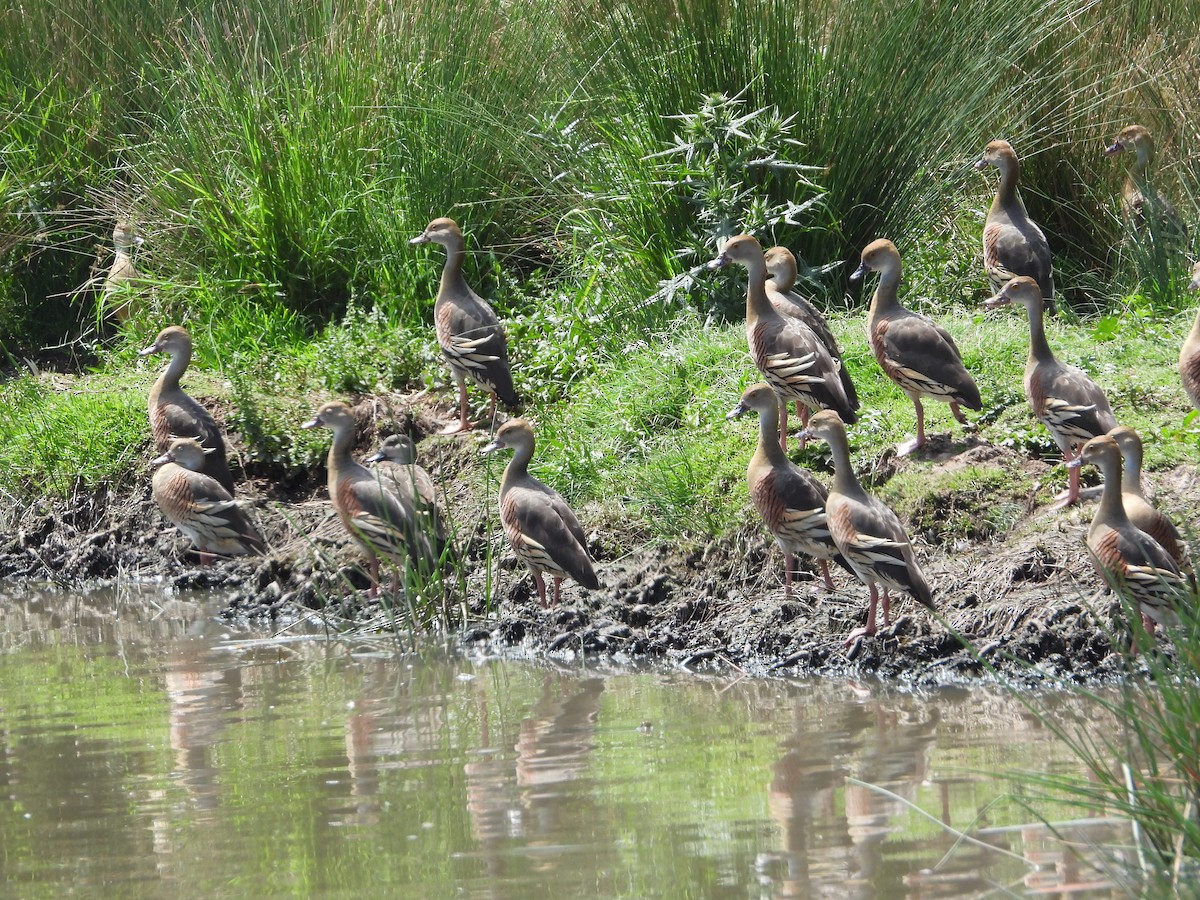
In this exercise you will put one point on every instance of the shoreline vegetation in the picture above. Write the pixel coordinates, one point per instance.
(275, 158)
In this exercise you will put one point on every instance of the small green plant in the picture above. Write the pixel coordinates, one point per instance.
(738, 171)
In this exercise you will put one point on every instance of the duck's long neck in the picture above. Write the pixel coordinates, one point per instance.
(885, 297)
(768, 436)
(452, 272)
(517, 468)
(180, 360)
(1039, 348)
(341, 462)
(844, 479)
(757, 304)
(1006, 193)
(1112, 509)
(1131, 474)
(1141, 164)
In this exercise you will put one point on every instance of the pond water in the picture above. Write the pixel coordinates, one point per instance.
(148, 750)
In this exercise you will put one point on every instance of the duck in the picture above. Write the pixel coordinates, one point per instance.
(866, 531)
(1189, 353)
(789, 499)
(540, 526)
(122, 270)
(174, 414)
(1139, 510)
(1013, 244)
(396, 465)
(381, 522)
(1063, 398)
(1125, 557)
(199, 505)
(468, 331)
(1139, 199)
(792, 359)
(914, 351)
(781, 291)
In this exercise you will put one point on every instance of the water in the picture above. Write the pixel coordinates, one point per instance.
(160, 755)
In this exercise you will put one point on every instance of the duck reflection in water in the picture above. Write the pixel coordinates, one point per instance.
(528, 806)
(827, 851)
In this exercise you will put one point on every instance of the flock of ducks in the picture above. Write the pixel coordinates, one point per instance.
(391, 510)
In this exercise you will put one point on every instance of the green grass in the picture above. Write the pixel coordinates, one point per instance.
(277, 157)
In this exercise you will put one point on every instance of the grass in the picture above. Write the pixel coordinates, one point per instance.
(1147, 770)
(277, 156)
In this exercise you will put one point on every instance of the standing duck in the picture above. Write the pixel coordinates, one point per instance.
(791, 357)
(396, 464)
(1063, 397)
(471, 337)
(866, 531)
(1189, 353)
(122, 270)
(781, 291)
(381, 522)
(1128, 559)
(540, 527)
(1012, 243)
(174, 414)
(199, 505)
(1137, 507)
(913, 350)
(790, 500)
(1140, 202)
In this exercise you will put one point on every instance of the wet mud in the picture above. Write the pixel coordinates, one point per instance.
(1016, 596)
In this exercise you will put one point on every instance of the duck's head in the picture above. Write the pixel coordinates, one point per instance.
(1132, 137)
(1022, 290)
(1101, 452)
(1129, 442)
(758, 397)
(335, 416)
(825, 425)
(514, 434)
(781, 267)
(743, 249)
(878, 256)
(999, 154)
(397, 448)
(124, 237)
(186, 452)
(173, 340)
(440, 231)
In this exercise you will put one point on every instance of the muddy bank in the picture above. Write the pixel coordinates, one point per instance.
(1009, 576)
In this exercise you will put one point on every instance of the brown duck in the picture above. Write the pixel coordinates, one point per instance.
(122, 271)
(383, 523)
(396, 464)
(1140, 202)
(540, 526)
(781, 291)
(866, 531)
(1141, 513)
(199, 505)
(174, 414)
(792, 359)
(1127, 558)
(1012, 243)
(914, 351)
(789, 499)
(1063, 397)
(471, 337)
(1189, 353)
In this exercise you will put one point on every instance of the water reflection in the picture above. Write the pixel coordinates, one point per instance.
(161, 752)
